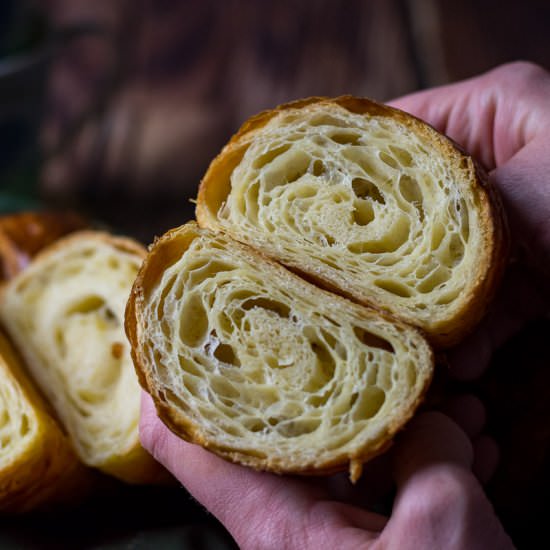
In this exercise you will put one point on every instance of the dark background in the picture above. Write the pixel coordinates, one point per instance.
(114, 108)
(136, 96)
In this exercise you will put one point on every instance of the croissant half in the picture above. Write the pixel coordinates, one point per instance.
(65, 312)
(367, 201)
(37, 462)
(263, 368)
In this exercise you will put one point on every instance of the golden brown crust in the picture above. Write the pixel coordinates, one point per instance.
(124, 244)
(491, 259)
(477, 222)
(24, 234)
(38, 466)
(180, 415)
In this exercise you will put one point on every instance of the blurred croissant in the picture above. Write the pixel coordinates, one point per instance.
(24, 234)
(37, 462)
(65, 314)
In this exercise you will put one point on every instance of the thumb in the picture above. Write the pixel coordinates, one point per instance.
(439, 502)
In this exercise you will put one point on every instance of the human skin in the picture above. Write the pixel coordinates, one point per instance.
(439, 502)
(502, 118)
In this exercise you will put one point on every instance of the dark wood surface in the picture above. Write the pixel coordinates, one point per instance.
(134, 116)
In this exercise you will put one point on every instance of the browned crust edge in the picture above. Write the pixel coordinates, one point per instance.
(24, 234)
(134, 465)
(166, 249)
(48, 469)
(495, 229)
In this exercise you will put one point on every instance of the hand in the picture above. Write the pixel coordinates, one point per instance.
(439, 503)
(503, 119)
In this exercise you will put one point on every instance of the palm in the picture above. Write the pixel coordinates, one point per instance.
(431, 463)
(502, 119)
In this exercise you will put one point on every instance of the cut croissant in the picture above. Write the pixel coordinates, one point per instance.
(264, 368)
(37, 462)
(24, 234)
(367, 201)
(65, 313)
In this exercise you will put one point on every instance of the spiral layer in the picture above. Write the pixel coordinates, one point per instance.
(368, 201)
(260, 366)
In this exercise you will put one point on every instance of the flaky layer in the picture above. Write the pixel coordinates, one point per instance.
(37, 462)
(65, 312)
(263, 368)
(366, 200)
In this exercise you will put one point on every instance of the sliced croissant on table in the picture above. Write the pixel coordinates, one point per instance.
(366, 201)
(263, 368)
(37, 462)
(65, 314)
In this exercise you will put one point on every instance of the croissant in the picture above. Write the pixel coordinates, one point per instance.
(24, 234)
(367, 201)
(263, 368)
(65, 313)
(37, 462)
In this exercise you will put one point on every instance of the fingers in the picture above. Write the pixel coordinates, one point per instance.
(237, 496)
(178, 456)
(431, 438)
(523, 183)
(439, 502)
(469, 414)
(486, 458)
(458, 111)
(493, 116)
(517, 302)
(502, 118)
(435, 490)
(260, 510)
(200, 470)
